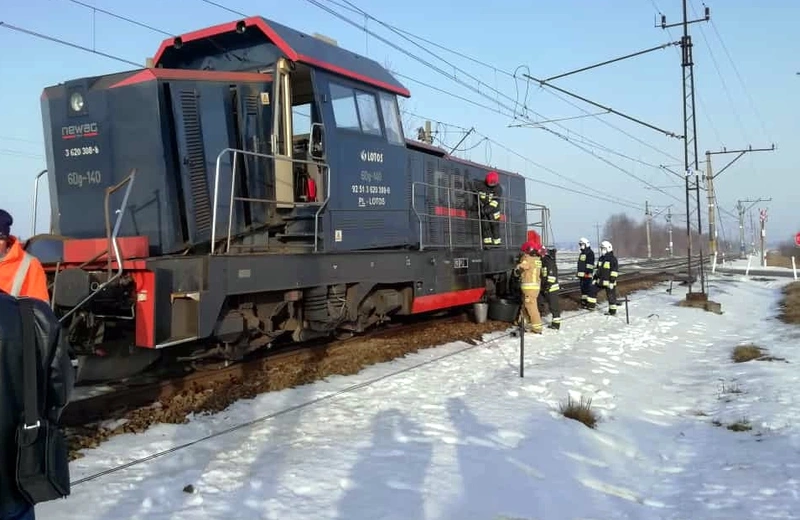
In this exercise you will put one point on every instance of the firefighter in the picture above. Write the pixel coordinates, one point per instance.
(489, 195)
(606, 275)
(21, 274)
(530, 268)
(585, 274)
(550, 288)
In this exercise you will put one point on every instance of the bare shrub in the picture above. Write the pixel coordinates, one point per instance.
(581, 412)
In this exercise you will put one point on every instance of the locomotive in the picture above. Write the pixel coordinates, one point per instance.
(252, 184)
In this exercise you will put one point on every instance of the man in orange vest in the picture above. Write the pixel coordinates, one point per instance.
(21, 274)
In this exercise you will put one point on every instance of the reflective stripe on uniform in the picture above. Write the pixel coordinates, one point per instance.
(591, 300)
(554, 287)
(580, 274)
(590, 266)
(551, 279)
(606, 265)
(21, 273)
(493, 203)
(614, 273)
(529, 285)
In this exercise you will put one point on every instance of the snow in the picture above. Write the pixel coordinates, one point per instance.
(755, 265)
(465, 437)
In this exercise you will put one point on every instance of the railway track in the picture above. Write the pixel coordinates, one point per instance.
(136, 404)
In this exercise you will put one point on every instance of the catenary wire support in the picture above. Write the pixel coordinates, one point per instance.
(712, 199)
(690, 140)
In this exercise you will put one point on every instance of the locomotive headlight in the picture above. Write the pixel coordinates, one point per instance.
(76, 102)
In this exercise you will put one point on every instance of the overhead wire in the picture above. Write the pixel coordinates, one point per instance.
(741, 81)
(698, 95)
(722, 79)
(503, 72)
(611, 199)
(7, 25)
(465, 84)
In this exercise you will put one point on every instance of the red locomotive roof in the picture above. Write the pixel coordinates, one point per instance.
(295, 45)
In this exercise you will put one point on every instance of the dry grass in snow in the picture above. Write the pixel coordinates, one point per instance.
(790, 305)
(581, 412)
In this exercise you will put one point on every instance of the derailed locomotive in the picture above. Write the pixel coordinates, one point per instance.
(254, 183)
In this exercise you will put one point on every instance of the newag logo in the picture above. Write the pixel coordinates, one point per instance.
(76, 131)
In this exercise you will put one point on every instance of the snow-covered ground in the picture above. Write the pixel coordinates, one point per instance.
(465, 437)
(755, 265)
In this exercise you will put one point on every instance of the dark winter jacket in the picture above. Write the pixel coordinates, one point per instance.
(55, 370)
(586, 264)
(489, 198)
(549, 274)
(606, 275)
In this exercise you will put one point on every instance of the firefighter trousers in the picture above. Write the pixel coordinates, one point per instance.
(530, 297)
(611, 296)
(550, 298)
(588, 293)
(490, 229)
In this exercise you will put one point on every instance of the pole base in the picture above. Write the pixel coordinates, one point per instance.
(701, 301)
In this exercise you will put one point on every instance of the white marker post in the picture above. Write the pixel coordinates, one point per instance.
(794, 268)
(749, 259)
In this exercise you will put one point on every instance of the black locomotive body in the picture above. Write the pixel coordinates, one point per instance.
(254, 182)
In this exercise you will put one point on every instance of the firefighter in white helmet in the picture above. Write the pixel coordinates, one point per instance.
(606, 275)
(585, 274)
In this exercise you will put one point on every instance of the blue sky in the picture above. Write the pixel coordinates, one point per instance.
(751, 104)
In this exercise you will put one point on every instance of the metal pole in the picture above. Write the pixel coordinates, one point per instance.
(627, 315)
(712, 224)
(647, 229)
(522, 347)
(669, 220)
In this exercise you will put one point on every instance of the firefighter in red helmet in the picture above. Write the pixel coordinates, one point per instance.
(490, 209)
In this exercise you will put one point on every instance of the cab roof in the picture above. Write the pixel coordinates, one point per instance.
(295, 45)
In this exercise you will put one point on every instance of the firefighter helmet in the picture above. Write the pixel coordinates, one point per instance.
(492, 179)
(528, 247)
(606, 246)
(583, 243)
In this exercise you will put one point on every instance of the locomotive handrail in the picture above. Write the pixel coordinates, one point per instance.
(528, 206)
(112, 237)
(233, 198)
(36, 199)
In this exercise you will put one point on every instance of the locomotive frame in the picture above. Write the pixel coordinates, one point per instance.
(284, 233)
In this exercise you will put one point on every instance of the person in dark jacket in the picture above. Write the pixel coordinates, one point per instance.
(489, 195)
(606, 275)
(59, 383)
(585, 274)
(549, 291)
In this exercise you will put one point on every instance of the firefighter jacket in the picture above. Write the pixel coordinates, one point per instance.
(530, 268)
(606, 274)
(586, 264)
(549, 274)
(489, 197)
(21, 274)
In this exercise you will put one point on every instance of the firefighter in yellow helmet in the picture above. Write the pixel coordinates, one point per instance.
(530, 268)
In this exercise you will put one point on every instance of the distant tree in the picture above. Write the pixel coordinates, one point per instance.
(629, 238)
